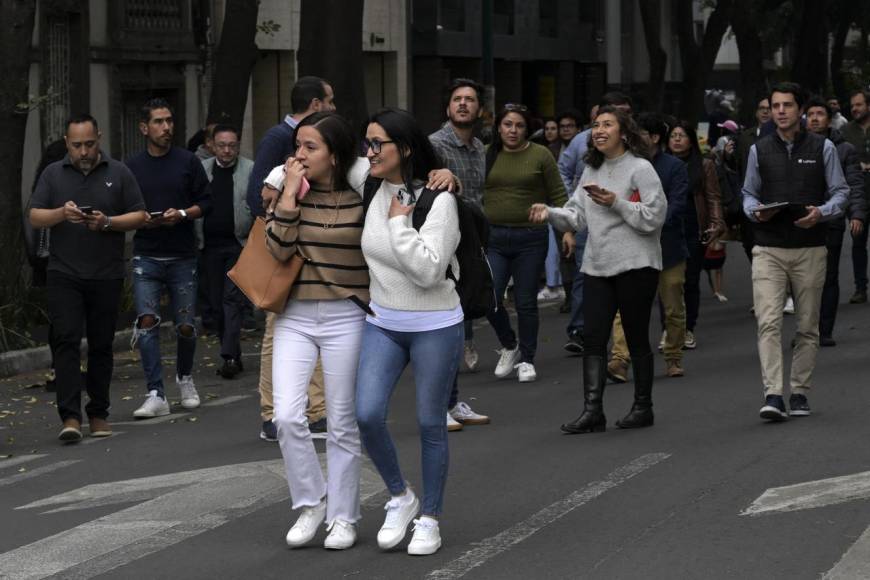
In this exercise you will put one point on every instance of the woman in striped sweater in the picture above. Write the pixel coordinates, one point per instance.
(325, 315)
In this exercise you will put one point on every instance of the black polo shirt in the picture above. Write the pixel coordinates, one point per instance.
(74, 249)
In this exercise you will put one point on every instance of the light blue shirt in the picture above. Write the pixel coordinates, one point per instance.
(571, 164)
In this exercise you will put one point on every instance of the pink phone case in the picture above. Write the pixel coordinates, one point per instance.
(303, 189)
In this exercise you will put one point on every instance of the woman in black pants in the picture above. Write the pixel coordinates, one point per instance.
(623, 207)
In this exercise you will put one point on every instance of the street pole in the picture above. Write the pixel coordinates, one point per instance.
(488, 75)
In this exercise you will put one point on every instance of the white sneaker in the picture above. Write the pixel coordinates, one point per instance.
(342, 535)
(463, 413)
(154, 406)
(546, 294)
(662, 341)
(470, 356)
(721, 297)
(189, 396)
(426, 539)
(689, 343)
(452, 424)
(526, 372)
(789, 306)
(400, 512)
(506, 361)
(305, 527)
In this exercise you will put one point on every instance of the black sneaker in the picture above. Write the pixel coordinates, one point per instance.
(269, 432)
(574, 344)
(318, 428)
(859, 297)
(827, 341)
(773, 409)
(231, 368)
(798, 406)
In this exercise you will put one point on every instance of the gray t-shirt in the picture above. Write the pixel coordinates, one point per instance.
(110, 188)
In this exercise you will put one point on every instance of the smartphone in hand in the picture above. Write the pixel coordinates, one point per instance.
(593, 188)
(155, 214)
(86, 209)
(304, 187)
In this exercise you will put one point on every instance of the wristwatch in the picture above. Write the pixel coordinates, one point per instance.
(108, 224)
(183, 214)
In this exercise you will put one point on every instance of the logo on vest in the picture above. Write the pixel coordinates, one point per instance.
(806, 161)
(108, 184)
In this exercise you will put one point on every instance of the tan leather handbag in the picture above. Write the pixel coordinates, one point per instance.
(265, 280)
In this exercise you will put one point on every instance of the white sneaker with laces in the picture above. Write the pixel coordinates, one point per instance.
(506, 361)
(342, 535)
(426, 539)
(689, 343)
(662, 340)
(154, 406)
(400, 512)
(189, 396)
(526, 372)
(463, 414)
(721, 298)
(470, 356)
(789, 306)
(546, 294)
(305, 527)
(452, 424)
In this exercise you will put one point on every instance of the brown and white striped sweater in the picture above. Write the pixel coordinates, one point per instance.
(325, 229)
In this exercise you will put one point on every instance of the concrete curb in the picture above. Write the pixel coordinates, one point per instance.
(33, 359)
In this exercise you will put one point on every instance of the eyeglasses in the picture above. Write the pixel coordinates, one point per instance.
(230, 146)
(515, 107)
(375, 145)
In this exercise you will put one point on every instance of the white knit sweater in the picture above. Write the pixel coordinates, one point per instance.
(408, 269)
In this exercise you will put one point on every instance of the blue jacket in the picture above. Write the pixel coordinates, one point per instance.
(675, 181)
(274, 149)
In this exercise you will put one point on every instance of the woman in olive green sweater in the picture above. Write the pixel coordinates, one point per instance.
(519, 173)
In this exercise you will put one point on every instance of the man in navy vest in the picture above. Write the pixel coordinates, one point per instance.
(800, 172)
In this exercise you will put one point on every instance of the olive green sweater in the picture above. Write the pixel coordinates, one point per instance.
(516, 181)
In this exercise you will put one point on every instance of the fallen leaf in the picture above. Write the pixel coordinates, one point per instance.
(192, 419)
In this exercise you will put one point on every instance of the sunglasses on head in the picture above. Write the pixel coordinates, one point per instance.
(515, 107)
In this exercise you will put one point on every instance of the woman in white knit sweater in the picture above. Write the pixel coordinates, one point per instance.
(417, 319)
(621, 203)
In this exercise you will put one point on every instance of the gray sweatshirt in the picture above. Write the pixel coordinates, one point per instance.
(625, 236)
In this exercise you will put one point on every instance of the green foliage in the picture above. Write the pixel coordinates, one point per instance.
(24, 311)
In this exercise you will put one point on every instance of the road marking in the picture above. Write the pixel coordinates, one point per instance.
(226, 400)
(495, 545)
(855, 563)
(174, 507)
(812, 494)
(13, 461)
(155, 420)
(12, 479)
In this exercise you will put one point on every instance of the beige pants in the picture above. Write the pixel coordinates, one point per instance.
(316, 400)
(774, 270)
(671, 282)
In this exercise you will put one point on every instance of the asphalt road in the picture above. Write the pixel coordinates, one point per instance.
(679, 500)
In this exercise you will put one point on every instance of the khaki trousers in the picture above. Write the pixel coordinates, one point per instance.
(671, 283)
(316, 400)
(774, 270)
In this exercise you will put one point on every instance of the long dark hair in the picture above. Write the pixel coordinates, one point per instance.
(496, 146)
(416, 153)
(693, 160)
(631, 137)
(338, 135)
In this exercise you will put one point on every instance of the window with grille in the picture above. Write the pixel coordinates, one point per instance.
(56, 79)
(157, 15)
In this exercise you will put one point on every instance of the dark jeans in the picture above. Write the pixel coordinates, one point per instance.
(859, 260)
(632, 294)
(692, 286)
(518, 253)
(207, 314)
(225, 299)
(72, 304)
(831, 291)
(575, 325)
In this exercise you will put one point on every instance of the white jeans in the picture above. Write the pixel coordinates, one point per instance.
(334, 329)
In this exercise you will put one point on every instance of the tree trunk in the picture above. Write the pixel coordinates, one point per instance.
(330, 47)
(650, 13)
(810, 68)
(846, 14)
(235, 59)
(698, 59)
(16, 23)
(753, 78)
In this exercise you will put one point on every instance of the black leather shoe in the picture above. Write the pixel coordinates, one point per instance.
(592, 418)
(637, 417)
(859, 297)
(641, 414)
(231, 368)
(587, 422)
(827, 341)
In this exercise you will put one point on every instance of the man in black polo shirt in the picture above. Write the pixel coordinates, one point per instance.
(88, 200)
(176, 192)
(801, 171)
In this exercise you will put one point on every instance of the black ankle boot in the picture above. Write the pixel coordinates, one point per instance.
(592, 419)
(641, 414)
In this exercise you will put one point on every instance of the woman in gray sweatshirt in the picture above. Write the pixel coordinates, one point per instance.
(621, 203)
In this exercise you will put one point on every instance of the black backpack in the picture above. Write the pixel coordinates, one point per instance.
(475, 287)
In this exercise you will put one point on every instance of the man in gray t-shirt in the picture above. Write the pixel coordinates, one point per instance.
(88, 201)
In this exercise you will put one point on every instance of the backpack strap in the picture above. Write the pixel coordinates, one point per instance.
(424, 204)
(370, 188)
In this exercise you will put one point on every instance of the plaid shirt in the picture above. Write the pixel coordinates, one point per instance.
(467, 163)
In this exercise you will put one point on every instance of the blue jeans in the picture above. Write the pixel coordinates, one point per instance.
(517, 252)
(575, 325)
(150, 277)
(434, 356)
